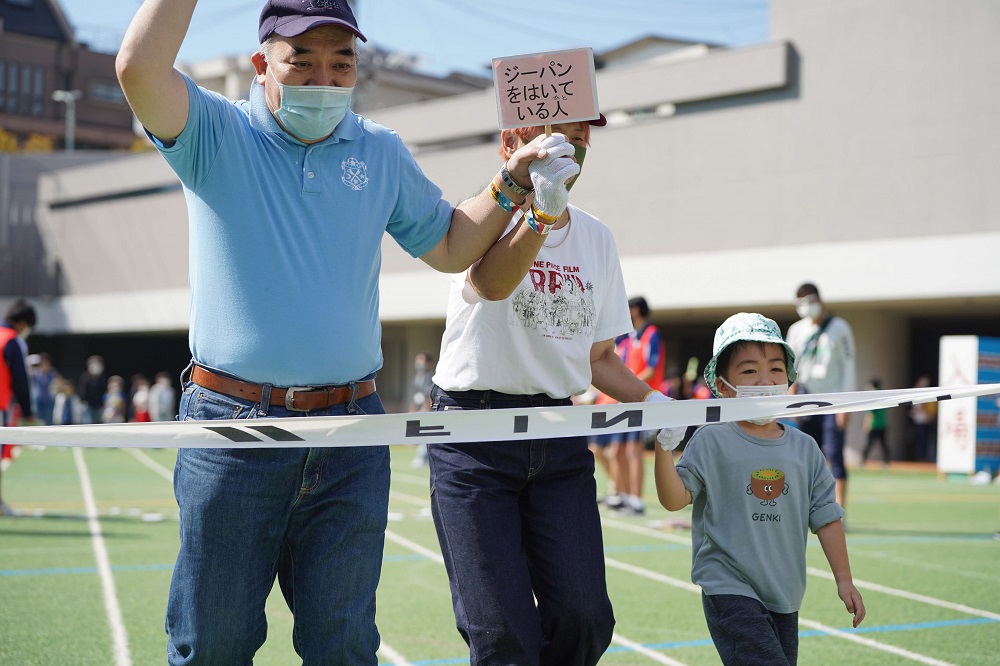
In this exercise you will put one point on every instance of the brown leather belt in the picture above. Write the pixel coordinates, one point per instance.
(295, 398)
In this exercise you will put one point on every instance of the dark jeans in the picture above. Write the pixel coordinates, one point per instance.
(517, 521)
(823, 428)
(747, 634)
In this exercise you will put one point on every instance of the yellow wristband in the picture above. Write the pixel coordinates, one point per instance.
(501, 199)
(542, 217)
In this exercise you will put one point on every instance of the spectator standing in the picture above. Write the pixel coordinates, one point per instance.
(824, 345)
(420, 396)
(43, 380)
(140, 401)
(876, 428)
(756, 488)
(644, 353)
(138, 382)
(115, 402)
(91, 388)
(162, 398)
(15, 386)
(66, 408)
(923, 418)
(289, 197)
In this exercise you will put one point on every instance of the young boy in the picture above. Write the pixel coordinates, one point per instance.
(757, 487)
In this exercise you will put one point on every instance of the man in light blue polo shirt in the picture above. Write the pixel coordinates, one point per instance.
(289, 195)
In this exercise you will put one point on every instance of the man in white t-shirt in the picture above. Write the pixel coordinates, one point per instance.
(824, 346)
(531, 324)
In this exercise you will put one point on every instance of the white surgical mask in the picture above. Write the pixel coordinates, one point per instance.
(810, 310)
(759, 391)
(311, 113)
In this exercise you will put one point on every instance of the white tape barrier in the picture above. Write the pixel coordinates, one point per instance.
(455, 426)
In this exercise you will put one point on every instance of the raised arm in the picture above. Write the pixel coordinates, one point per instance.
(478, 223)
(145, 65)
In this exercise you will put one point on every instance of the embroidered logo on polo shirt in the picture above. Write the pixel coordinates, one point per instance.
(355, 175)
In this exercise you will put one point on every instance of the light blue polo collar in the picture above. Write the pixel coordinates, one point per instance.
(262, 119)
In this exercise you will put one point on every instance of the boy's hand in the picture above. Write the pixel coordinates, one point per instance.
(852, 599)
(668, 438)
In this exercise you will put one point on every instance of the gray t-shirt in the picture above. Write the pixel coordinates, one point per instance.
(754, 501)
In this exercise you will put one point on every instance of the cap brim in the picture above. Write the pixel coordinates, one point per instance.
(599, 122)
(301, 24)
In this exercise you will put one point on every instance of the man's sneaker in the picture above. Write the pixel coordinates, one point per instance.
(636, 504)
(7, 510)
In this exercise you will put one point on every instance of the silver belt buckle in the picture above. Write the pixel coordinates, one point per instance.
(290, 398)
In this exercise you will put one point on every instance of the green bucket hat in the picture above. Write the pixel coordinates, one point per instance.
(751, 327)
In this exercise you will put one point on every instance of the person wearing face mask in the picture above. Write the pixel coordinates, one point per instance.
(531, 324)
(15, 387)
(824, 344)
(757, 487)
(289, 196)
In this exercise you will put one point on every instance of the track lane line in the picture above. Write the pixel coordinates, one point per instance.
(119, 637)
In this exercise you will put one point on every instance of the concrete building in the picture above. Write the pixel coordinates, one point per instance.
(856, 149)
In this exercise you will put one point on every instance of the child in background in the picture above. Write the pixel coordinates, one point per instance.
(875, 426)
(757, 488)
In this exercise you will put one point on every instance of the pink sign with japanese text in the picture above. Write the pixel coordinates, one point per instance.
(546, 88)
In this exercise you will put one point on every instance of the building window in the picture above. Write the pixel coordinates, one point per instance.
(25, 106)
(106, 91)
(38, 92)
(12, 87)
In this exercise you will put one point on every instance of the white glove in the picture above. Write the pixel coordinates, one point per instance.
(668, 438)
(549, 174)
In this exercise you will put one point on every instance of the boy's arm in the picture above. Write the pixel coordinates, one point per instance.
(831, 538)
(670, 488)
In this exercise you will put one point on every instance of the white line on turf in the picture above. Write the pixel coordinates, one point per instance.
(151, 464)
(912, 563)
(645, 651)
(384, 648)
(118, 636)
(820, 573)
(415, 547)
(652, 575)
(941, 603)
(837, 633)
(393, 656)
(431, 555)
(854, 638)
(409, 499)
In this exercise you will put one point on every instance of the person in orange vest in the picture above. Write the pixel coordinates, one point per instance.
(15, 389)
(644, 354)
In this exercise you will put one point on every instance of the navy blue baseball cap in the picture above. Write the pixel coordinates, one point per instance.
(290, 18)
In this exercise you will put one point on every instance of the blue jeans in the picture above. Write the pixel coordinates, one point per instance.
(313, 518)
(823, 428)
(745, 633)
(517, 519)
